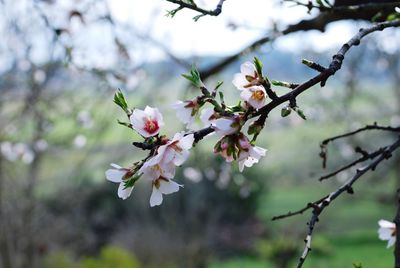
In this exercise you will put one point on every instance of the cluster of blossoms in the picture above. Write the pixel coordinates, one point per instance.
(159, 167)
(166, 154)
(227, 122)
(387, 231)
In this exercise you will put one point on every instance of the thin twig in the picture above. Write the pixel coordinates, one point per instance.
(368, 127)
(355, 162)
(347, 187)
(194, 7)
(334, 66)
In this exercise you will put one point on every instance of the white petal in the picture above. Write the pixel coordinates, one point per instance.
(386, 224)
(137, 119)
(250, 161)
(257, 152)
(186, 142)
(156, 197)
(184, 114)
(178, 105)
(257, 104)
(168, 170)
(168, 187)
(177, 136)
(241, 165)
(115, 166)
(391, 241)
(115, 175)
(150, 172)
(246, 94)
(247, 68)
(169, 155)
(239, 81)
(181, 157)
(150, 112)
(205, 116)
(385, 233)
(158, 157)
(124, 193)
(154, 113)
(223, 126)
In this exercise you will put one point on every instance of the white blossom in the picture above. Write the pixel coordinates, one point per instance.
(147, 122)
(162, 186)
(80, 141)
(118, 174)
(249, 154)
(161, 175)
(247, 77)
(208, 116)
(176, 151)
(185, 111)
(254, 96)
(387, 231)
(225, 126)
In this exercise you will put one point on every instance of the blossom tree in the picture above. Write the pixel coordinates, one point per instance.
(238, 126)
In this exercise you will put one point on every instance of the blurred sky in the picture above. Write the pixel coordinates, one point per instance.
(147, 33)
(209, 35)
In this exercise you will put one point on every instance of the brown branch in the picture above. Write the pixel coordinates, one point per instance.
(298, 212)
(334, 66)
(368, 127)
(364, 158)
(215, 12)
(347, 187)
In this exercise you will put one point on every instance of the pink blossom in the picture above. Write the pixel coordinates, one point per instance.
(148, 122)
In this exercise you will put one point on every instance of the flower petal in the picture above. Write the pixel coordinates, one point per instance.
(169, 187)
(223, 126)
(115, 166)
(391, 241)
(205, 116)
(115, 175)
(241, 165)
(124, 193)
(181, 157)
(246, 94)
(385, 233)
(182, 113)
(247, 68)
(168, 170)
(156, 197)
(386, 224)
(239, 81)
(186, 142)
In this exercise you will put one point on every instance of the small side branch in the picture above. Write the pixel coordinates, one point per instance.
(319, 207)
(365, 157)
(368, 127)
(191, 5)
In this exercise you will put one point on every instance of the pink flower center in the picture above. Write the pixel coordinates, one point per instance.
(151, 126)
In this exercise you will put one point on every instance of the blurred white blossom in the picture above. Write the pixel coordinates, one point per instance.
(80, 141)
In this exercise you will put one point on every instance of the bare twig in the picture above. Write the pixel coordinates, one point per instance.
(368, 127)
(320, 78)
(215, 12)
(364, 158)
(319, 205)
(334, 66)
